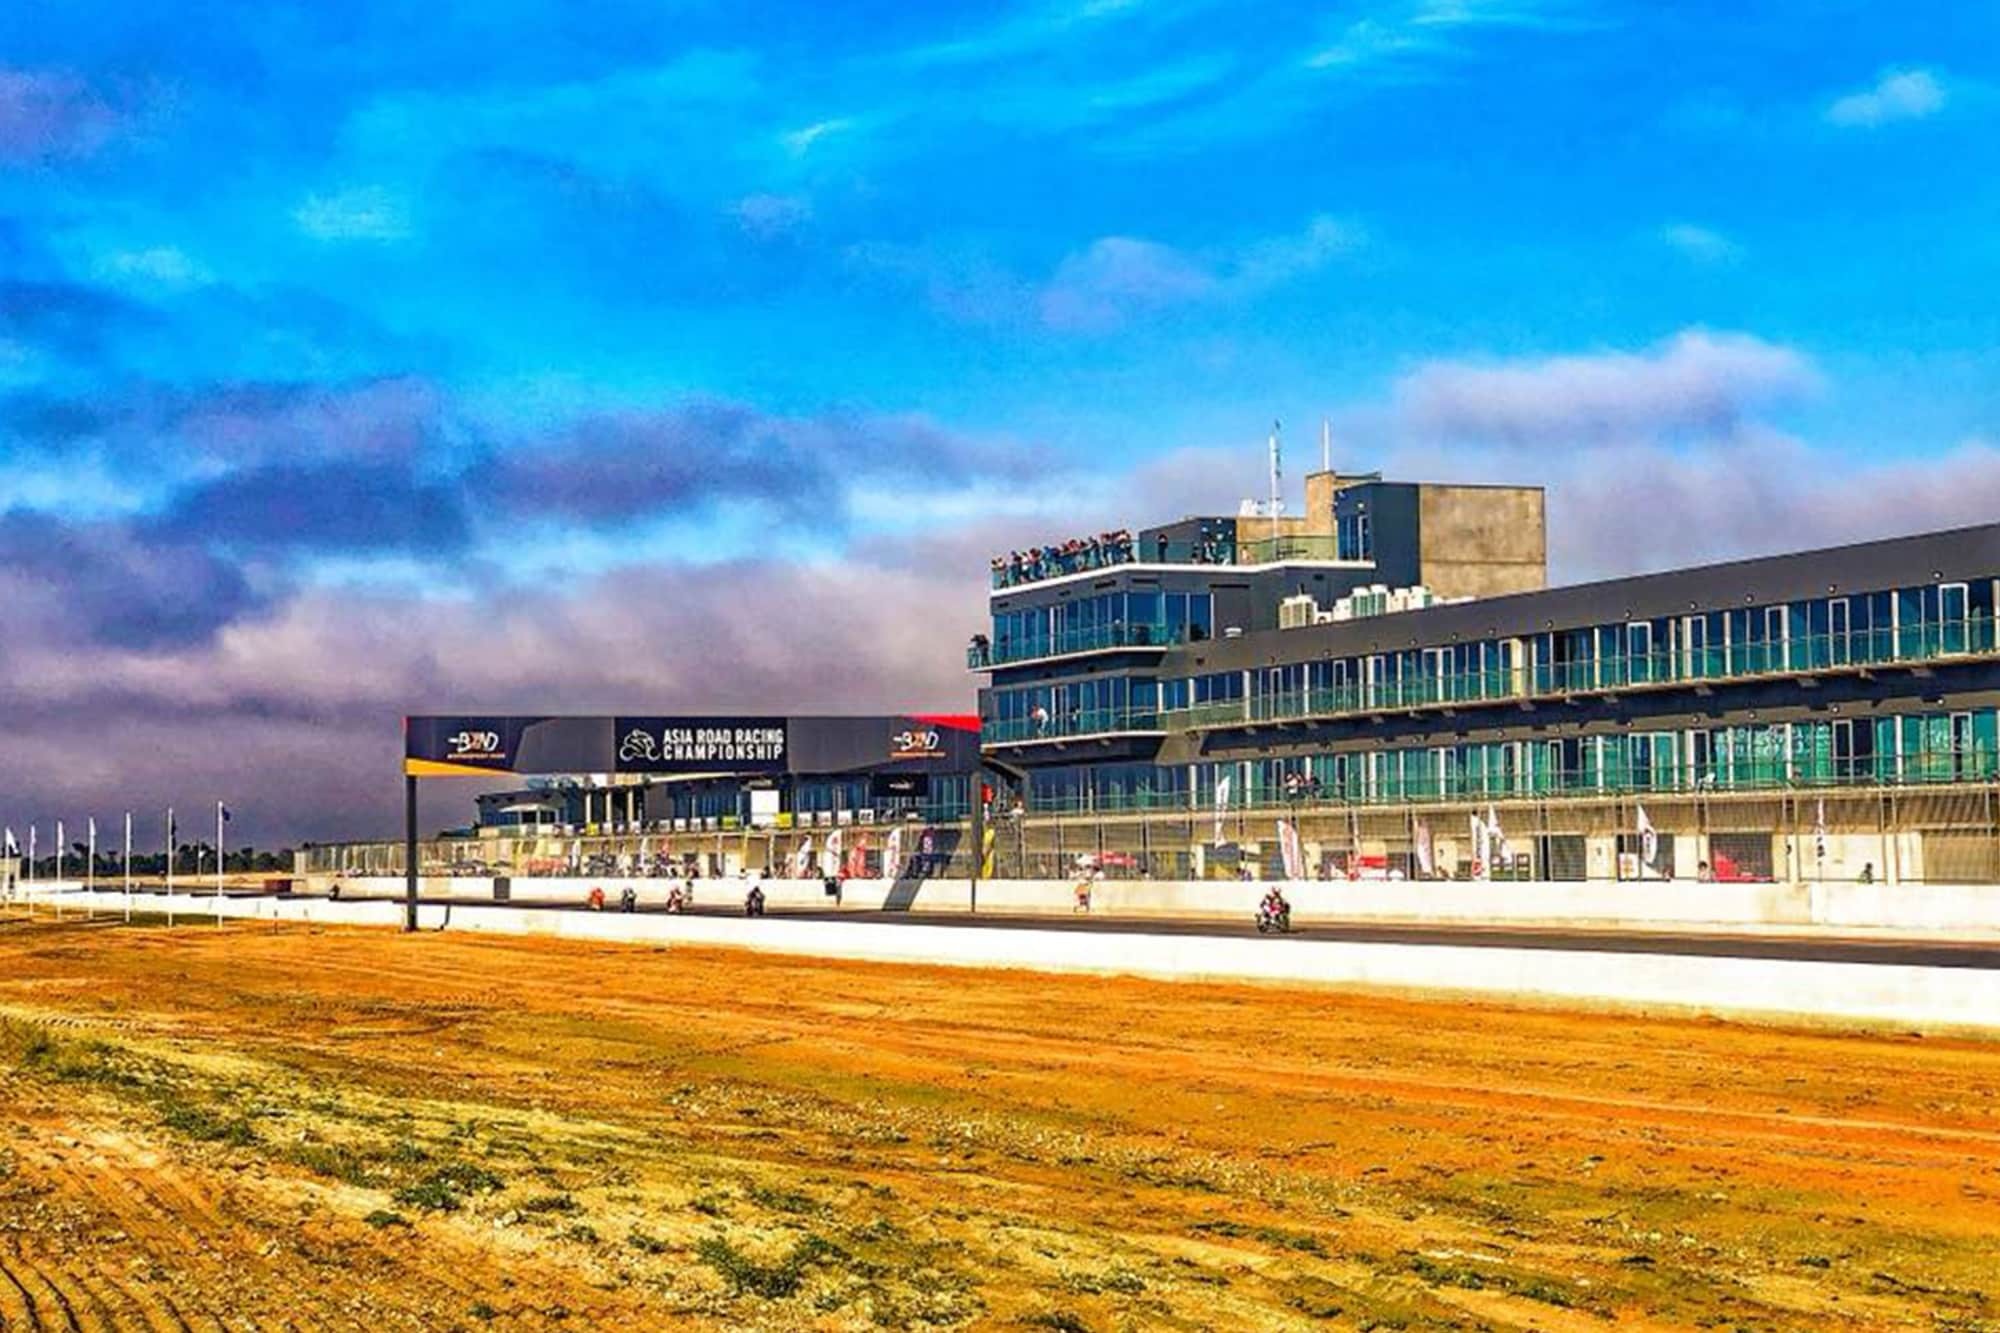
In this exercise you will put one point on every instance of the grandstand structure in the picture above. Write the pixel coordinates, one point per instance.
(1389, 677)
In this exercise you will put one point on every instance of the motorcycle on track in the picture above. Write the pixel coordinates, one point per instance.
(1274, 916)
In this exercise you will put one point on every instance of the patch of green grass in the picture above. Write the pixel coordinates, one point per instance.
(709, 1206)
(445, 1189)
(1122, 1281)
(646, 1244)
(483, 1312)
(582, 1233)
(548, 1203)
(206, 1125)
(335, 1161)
(782, 1200)
(32, 1047)
(772, 1281)
(382, 1218)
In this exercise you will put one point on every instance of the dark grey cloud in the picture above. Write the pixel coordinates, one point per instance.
(47, 115)
(617, 466)
(68, 319)
(337, 506)
(114, 584)
(237, 423)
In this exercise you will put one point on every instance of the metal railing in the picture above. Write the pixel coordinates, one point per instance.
(1086, 722)
(1929, 768)
(1041, 566)
(1093, 638)
(1808, 655)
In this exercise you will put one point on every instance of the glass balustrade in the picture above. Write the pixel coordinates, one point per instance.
(1907, 646)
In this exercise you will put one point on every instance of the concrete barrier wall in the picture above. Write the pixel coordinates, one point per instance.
(1932, 998)
(1909, 908)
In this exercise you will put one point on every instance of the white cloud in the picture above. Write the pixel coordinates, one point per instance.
(366, 213)
(1696, 381)
(1701, 244)
(767, 215)
(1899, 94)
(161, 266)
(799, 142)
(1118, 277)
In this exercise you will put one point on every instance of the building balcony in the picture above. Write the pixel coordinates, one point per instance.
(1806, 657)
(1083, 558)
(1053, 729)
(1976, 765)
(983, 656)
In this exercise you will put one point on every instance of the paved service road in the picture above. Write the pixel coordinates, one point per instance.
(1712, 944)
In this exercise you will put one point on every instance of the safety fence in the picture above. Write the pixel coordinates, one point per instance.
(1901, 835)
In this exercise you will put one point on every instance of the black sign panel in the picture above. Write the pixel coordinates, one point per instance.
(702, 744)
(762, 747)
(884, 786)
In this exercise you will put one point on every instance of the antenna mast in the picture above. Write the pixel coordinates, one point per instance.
(1325, 444)
(1276, 473)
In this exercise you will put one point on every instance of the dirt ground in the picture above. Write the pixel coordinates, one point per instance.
(286, 1127)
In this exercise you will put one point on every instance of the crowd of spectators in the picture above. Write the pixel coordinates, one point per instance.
(1070, 557)
(1107, 548)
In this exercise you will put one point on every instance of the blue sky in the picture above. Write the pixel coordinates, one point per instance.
(433, 333)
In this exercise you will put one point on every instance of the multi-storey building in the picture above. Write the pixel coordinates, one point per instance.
(1209, 661)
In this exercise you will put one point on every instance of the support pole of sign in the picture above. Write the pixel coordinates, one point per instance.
(409, 852)
(999, 769)
(978, 833)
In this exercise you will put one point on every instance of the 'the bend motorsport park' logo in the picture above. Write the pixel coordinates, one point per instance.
(478, 747)
(916, 743)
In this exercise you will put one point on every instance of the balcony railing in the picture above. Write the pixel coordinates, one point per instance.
(1041, 566)
(1276, 550)
(1930, 768)
(1095, 638)
(1089, 722)
(1809, 655)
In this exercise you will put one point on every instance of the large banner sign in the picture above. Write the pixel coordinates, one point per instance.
(475, 745)
(701, 745)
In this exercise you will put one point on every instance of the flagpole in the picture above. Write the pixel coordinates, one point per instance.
(170, 865)
(220, 814)
(55, 886)
(128, 866)
(90, 869)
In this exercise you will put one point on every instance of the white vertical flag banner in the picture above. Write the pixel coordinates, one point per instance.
(829, 857)
(90, 862)
(1221, 805)
(221, 818)
(1290, 852)
(802, 858)
(1479, 866)
(61, 846)
(1426, 856)
(892, 854)
(128, 865)
(1649, 840)
(1819, 829)
(1496, 838)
